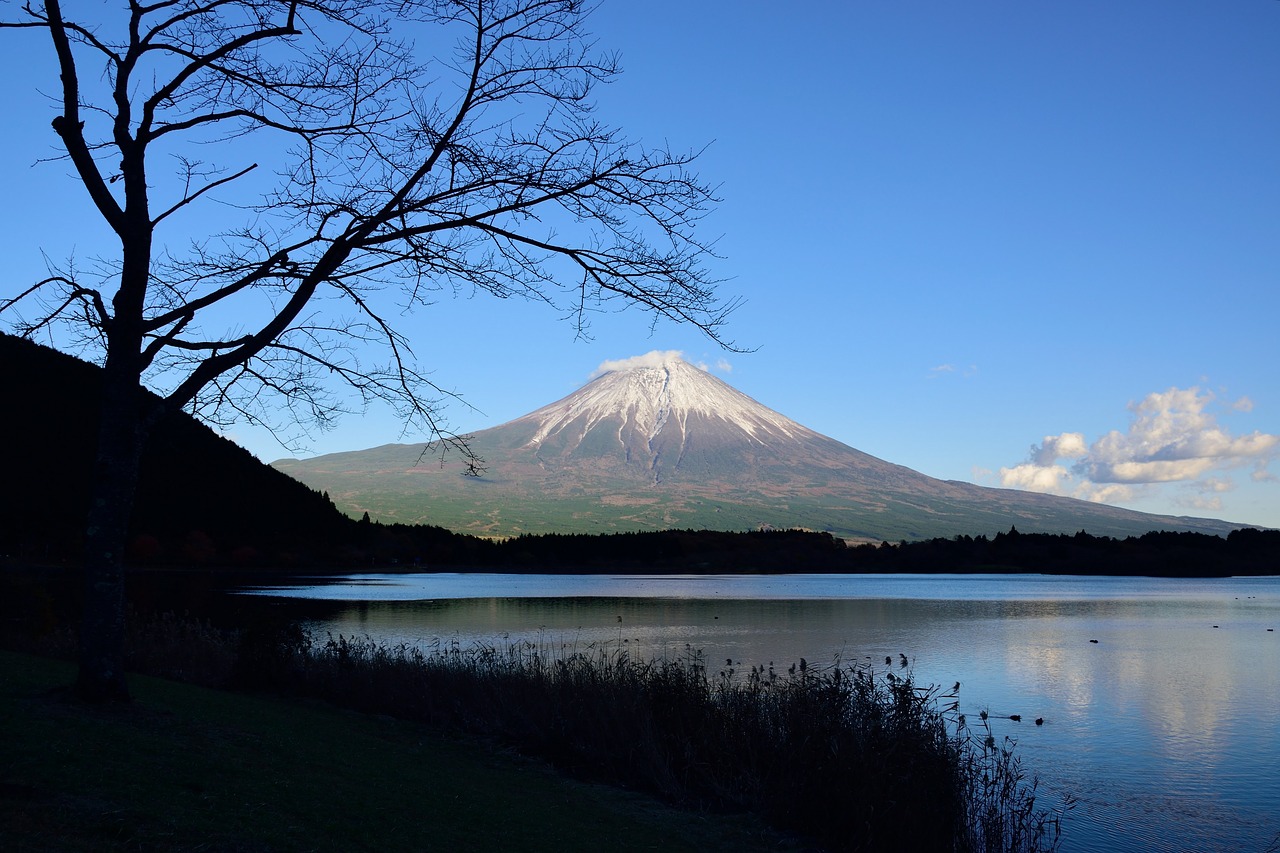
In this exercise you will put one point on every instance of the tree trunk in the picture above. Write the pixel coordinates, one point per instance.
(115, 479)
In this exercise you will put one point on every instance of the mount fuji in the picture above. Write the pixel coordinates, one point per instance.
(659, 443)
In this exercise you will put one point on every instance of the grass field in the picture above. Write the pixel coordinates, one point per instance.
(187, 768)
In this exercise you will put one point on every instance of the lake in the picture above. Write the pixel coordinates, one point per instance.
(1159, 697)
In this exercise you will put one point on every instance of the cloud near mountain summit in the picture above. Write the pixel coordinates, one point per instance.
(1174, 437)
(657, 358)
(654, 358)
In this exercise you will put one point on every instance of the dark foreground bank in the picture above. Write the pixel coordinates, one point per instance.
(187, 768)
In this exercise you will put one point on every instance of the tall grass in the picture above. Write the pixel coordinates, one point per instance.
(855, 757)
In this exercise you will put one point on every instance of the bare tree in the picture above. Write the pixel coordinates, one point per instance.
(396, 171)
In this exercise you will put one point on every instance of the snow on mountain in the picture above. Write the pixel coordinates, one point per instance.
(649, 398)
(660, 419)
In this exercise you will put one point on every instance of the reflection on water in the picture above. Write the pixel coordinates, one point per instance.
(1166, 728)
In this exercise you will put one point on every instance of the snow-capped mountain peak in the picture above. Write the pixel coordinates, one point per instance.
(650, 396)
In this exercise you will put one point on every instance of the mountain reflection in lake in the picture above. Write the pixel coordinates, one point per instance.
(1165, 729)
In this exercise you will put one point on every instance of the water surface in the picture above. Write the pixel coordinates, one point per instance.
(1159, 697)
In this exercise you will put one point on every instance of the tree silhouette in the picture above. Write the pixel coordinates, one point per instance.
(396, 173)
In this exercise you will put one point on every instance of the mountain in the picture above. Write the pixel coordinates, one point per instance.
(658, 443)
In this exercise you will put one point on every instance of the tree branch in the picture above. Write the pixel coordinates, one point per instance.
(70, 128)
(188, 199)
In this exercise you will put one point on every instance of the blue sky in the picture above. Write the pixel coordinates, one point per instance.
(1022, 243)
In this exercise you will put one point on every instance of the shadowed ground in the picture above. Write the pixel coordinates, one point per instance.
(185, 768)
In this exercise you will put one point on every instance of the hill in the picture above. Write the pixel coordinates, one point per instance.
(201, 498)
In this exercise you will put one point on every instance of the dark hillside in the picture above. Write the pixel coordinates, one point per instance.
(202, 498)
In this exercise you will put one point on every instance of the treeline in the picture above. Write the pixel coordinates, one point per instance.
(691, 551)
(1167, 554)
(1159, 553)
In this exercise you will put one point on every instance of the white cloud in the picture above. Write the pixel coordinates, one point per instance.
(1201, 504)
(1107, 493)
(1069, 445)
(1174, 437)
(1205, 495)
(1210, 485)
(941, 370)
(945, 369)
(655, 358)
(1032, 477)
(1149, 471)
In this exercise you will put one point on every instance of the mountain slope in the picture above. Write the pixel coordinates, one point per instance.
(658, 443)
